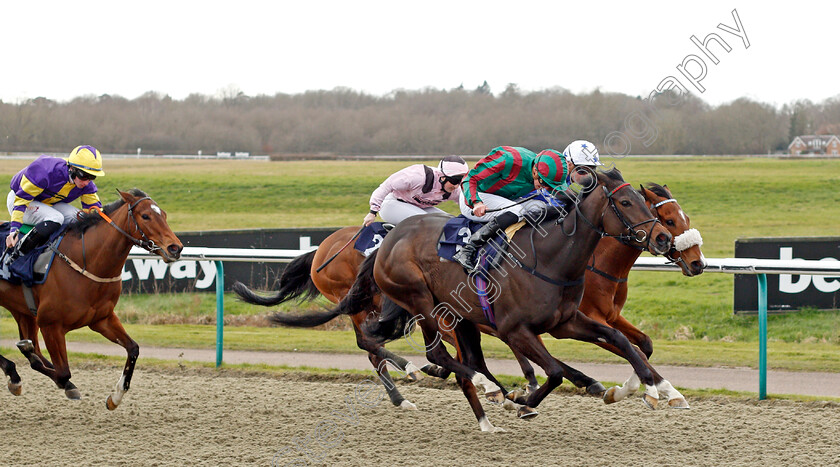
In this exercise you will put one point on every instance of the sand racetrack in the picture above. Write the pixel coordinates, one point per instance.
(230, 417)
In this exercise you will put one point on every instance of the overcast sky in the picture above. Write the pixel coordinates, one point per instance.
(61, 50)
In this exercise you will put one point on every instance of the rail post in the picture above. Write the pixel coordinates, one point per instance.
(762, 336)
(220, 311)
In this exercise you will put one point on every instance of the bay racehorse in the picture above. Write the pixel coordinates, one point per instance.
(540, 292)
(84, 284)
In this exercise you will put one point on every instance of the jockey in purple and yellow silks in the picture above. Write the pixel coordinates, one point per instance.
(490, 188)
(40, 195)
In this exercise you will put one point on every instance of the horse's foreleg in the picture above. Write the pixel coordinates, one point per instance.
(112, 329)
(8, 367)
(56, 345)
(583, 328)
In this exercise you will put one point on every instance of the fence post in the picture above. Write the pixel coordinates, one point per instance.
(220, 311)
(762, 336)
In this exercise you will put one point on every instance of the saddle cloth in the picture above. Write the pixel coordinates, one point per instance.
(370, 238)
(31, 268)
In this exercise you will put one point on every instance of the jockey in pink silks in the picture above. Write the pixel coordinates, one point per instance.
(417, 189)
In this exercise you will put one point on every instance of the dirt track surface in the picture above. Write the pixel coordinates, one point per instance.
(209, 417)
(734, 379)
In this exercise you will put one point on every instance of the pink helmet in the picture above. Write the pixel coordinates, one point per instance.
(453, 167)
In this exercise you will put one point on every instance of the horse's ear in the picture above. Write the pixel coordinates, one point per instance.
(126, 197)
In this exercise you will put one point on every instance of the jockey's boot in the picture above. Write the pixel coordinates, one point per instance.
(466, 256)
(36, 237)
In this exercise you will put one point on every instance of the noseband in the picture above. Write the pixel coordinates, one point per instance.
(145, 243)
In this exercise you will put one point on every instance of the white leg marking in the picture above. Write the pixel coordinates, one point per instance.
(482, 380)
(117, 396)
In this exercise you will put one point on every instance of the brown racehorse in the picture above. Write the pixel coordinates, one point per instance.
(83, 287)
(540, 293)
(302, 279)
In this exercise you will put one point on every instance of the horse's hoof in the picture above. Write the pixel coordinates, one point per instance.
(498, 429)
(414, 376)
(531, 388)
(16, 388)
(678, 403)
(517, 395)
(509, 405)
(650, 402)
(495, 397)
(596, 389)
(405, 404)
(526, 413)
(73, 394)
(609, 395)
(110, 404)
(25, 346)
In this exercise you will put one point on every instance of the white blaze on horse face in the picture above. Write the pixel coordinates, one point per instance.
(683, 216)
(156, 209)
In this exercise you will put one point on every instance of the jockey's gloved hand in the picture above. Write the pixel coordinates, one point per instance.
(369, 218)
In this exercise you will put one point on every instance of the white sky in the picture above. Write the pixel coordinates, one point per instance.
(66, 49)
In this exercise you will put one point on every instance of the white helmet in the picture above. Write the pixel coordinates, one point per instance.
(582, 152)
(453, 166)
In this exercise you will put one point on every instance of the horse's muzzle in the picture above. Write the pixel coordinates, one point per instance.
(662, 243)
(173, 252)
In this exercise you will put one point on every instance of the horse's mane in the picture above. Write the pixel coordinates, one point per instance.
(614, 174)
(86, 220)
(659, 190)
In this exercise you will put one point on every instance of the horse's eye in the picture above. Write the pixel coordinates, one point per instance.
(625, 203)
(669, 223)
(145, 217)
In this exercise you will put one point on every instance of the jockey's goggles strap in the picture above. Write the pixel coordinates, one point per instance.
(670, 200)
(610, 194)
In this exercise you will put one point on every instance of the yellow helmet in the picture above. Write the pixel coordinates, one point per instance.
(87, 159)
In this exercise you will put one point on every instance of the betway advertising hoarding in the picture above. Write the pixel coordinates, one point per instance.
(786, 292)
(153, 275)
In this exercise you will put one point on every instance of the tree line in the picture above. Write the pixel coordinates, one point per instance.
(428, 121)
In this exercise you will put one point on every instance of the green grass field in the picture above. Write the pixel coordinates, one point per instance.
(726, 198)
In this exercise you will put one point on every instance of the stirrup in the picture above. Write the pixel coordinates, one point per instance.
(465, 258)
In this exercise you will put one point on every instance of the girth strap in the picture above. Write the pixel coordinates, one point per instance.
(538, 274)
(607, 275)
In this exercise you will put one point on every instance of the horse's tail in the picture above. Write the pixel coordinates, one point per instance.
(308, 320)
(393, 323)
(360, 296)
(295, 282)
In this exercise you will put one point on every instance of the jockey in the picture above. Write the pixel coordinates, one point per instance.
(504, 175)
(42, 192)
(417, 189)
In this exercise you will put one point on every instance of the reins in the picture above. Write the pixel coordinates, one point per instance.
(145, 244)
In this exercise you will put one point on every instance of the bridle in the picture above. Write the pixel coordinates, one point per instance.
(638, 236)
(145, 243)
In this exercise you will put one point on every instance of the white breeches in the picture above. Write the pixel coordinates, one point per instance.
(501, 203)
(396, 211)
(38, 212)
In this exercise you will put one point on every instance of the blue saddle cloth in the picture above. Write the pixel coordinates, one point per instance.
(370, 238)
(457, 232)
(22, 269)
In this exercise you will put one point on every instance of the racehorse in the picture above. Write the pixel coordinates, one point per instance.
(533, 299)
(331, 270)
(82, 288)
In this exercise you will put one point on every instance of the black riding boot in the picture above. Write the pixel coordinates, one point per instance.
(36, 237)
(466, 256)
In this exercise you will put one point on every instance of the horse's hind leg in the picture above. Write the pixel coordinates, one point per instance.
(56, 345)
(8, 367)
(29, 347)
(112, 329)
(380, 363)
